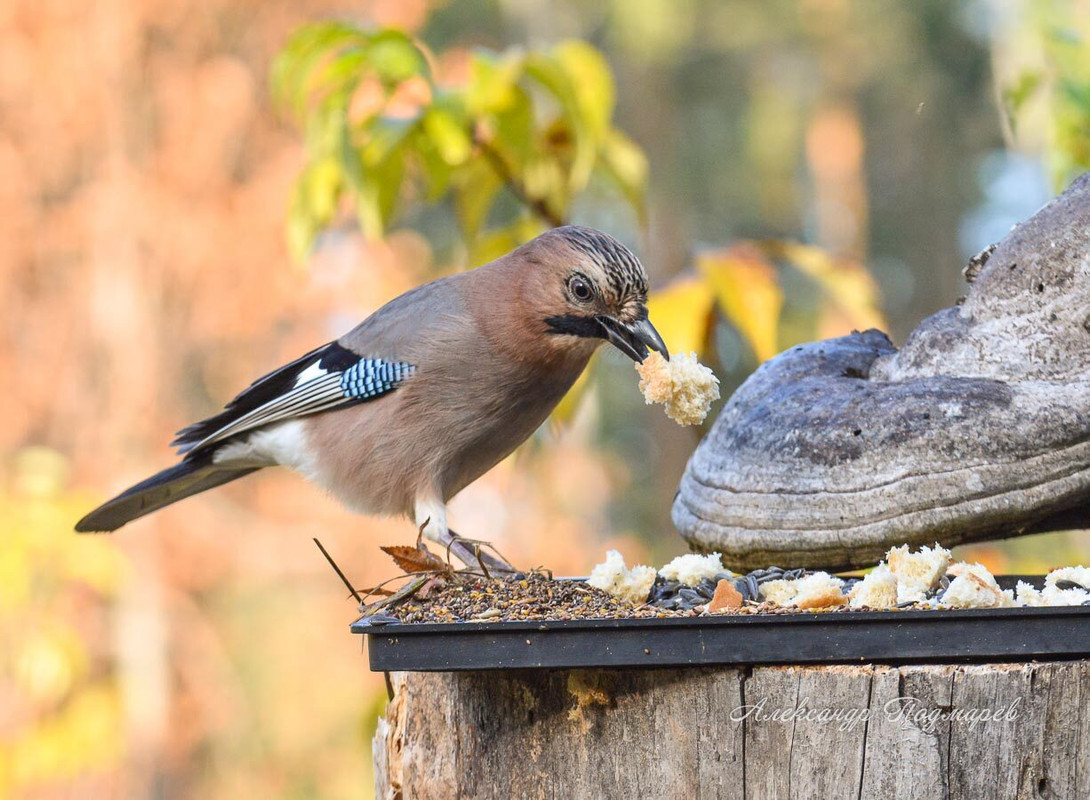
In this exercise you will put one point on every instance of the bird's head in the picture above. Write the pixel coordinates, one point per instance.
(591, 288)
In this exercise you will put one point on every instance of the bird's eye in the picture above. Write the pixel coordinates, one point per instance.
(580, 289)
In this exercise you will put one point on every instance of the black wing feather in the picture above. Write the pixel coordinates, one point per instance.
(331, 357)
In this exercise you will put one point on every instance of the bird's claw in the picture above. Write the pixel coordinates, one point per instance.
(494, 562)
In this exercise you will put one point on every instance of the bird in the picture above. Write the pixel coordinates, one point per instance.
(425, 395)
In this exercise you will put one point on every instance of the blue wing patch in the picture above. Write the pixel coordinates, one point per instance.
(370, 377)
(325, 379)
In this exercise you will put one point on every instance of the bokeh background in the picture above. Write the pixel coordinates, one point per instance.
(146, 178)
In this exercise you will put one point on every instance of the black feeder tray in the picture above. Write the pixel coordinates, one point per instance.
(1003, 634)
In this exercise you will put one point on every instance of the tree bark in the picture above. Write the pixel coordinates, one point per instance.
(848, 731)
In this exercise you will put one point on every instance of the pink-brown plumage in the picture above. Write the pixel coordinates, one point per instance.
(489, 354)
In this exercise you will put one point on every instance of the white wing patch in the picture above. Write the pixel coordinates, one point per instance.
(313, 372)
(325, 390)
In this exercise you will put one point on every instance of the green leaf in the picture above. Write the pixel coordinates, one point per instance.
(579, 80)
(395, 57)
(550, 74)
(512, 129)
(378, 182)
(448, 135)
(385, 135)
(591, 83)
(339, 74)
(544, 178)
(539, 121)
(501, 241)
(291, 76)
(434, 169)
(477, 188)
(492, 82)
(1076, 92)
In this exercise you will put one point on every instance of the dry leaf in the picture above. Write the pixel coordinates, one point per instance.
(425, 590)
(375, 590)
(416, 559)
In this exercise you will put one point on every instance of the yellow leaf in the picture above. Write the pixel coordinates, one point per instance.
(492, 80)
(592, 82)
(448, 135)
(744, 283)
(847, 285)
(681, 313)
(626, 164)
(565, 410)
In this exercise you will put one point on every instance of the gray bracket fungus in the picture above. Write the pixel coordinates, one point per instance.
(977, 428)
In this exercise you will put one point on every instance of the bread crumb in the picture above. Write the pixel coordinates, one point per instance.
(1079, 575)
(819, 590)
(685, 386)
(917, 573)
(780, 592)
(974, 587)
(878, 589)
(726, 596)
(1055, 596)
(692, 568)
(1027, 595)
(613, 578)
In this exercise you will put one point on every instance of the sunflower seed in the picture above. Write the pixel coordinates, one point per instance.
(1065, 584)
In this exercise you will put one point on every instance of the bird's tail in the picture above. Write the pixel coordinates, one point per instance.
(191, 476)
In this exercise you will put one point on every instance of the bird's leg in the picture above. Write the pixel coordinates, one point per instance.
(431, 521)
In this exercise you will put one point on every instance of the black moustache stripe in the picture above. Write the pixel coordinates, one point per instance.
(575, 325)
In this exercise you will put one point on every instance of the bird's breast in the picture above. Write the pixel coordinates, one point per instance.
(475, 419)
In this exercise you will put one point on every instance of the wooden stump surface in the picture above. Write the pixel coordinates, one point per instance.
(830, 732)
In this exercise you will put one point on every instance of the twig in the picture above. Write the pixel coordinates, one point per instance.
(407, 590)
(535, 204)
(340, 574)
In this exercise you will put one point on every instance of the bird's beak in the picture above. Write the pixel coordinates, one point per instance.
(634, 339)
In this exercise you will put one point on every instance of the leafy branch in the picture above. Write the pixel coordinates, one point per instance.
(384, 133)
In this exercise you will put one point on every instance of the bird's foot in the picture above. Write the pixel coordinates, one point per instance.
(432, 525)
(478, 551)
(474, 553)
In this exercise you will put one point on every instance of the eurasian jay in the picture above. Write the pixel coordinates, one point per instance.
(428, 393)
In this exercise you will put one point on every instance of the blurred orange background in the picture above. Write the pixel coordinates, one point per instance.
(204, 651)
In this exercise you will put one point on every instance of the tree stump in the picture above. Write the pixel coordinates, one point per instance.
(845, 731)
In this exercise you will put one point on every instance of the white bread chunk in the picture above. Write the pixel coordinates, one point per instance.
(630, 585)
(819, 590)
(878, 589)
(1026, 595)
(1055, 596)
(692, 568)
(917, 573)
(685, 386)
(974, 587)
